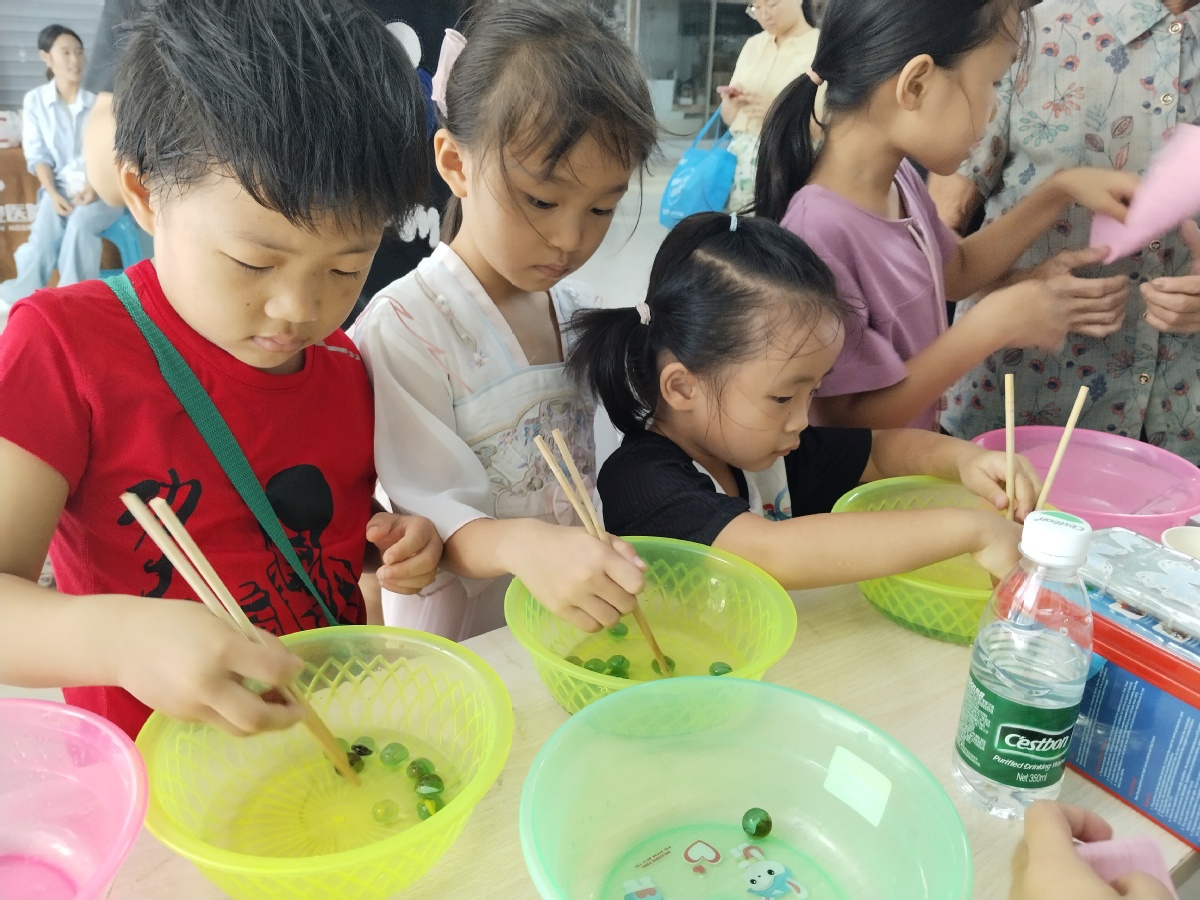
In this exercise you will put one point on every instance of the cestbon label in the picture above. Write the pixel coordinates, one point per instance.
(1013, 744)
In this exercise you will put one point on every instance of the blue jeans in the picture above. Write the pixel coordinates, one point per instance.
(70, 244)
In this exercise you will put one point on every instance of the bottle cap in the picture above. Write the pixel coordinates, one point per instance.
(1056, 539)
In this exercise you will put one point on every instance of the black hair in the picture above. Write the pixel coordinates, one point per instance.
(862, 44)
(48, 35)
(312, 105)
(715, 297)
(545, 74)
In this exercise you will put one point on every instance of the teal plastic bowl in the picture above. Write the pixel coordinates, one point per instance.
(646, 788)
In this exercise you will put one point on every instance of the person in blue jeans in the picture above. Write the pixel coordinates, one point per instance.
(65, 233)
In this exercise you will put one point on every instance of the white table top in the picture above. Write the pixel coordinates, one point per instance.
(845, 652)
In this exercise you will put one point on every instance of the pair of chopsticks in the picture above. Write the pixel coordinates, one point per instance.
(185, 556)
(1010, 441)
(581, 499)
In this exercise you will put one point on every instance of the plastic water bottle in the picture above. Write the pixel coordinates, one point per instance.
(1028, 669)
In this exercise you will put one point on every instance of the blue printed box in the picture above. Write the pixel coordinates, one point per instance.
(1138, 734)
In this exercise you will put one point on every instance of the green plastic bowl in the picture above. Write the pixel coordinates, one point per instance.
(626, 791)
(945, 600)
(266, 816)
(696, 598)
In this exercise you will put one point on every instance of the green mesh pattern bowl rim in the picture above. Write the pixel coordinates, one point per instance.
(857, 495)
(777, 646)
(182, 840)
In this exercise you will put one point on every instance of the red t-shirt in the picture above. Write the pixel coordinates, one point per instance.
(81, 390)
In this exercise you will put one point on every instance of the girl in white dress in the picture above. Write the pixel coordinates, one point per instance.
(545, 119)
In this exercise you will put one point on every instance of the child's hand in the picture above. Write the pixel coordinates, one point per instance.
(1035, 313)
(997, 551)
(410, 549)
(985, 472)
(1100, 190)
(1046, 864)
(62, 205)
(580, 579)
(177, 657)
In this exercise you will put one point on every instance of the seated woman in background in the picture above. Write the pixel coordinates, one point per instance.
(65, 234)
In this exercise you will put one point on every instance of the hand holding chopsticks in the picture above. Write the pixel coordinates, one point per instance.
(580, 498)
(186, 557)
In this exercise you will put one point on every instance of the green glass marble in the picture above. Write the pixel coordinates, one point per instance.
(617, 662)
(575, 660)
(385, 812)
(418, 767)
(356, 761)
(429, 785)
(756, 822)
(720, 668)
(393, 754)
(344, 744)
(364, 746)
(658, 669)
(617, 673)
(427, 806)
(595, 664)
(619, 630)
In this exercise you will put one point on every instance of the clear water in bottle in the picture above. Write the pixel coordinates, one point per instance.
(1028, 668)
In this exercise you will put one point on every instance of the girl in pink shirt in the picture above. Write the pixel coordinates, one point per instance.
(917, 81)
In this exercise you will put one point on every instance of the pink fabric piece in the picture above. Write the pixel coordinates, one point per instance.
(1112, 859)
(452, 45)
(1169, 194)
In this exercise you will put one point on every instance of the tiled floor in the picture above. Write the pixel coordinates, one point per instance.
(619, 270)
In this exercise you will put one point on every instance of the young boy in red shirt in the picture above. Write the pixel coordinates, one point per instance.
(264, 145)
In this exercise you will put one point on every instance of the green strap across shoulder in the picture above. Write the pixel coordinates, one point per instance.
(212, 427)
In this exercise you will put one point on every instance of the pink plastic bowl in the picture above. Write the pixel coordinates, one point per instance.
(1110, 480)
(72, 800)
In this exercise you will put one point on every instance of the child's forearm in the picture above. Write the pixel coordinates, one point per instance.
(929, 375)
(489, 548)
(840, 548)
(51, 639)
(896, 452)
(986, 256)
(45, 177)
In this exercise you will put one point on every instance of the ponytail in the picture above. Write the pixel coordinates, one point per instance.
(612, 358)
(785, 152)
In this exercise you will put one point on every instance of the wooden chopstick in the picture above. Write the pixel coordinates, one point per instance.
(185, 555)
(1010, 445)
(580, 498)
(1062, 446)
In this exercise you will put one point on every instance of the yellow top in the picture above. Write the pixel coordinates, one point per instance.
(768, 66)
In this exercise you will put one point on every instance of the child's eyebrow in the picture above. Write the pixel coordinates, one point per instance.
(267, 244)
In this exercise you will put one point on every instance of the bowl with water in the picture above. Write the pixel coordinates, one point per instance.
(72, 800)
(268, 816)
(704, 606)
(1111, 481)
(660, 811)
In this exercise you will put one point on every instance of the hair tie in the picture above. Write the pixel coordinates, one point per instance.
(643, 311)
(733, 221)
(814, 77)
(452, 45)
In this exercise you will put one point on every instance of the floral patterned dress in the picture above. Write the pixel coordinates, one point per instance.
(1105, 83)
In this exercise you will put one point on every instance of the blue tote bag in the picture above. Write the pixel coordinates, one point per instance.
(702, 180)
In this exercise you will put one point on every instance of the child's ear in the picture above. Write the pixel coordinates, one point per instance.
(913, 83)
(44, 57)
(452, 162)
(137, 197)
(678, 387)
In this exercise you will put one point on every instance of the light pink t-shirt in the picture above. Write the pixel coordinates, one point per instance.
(891, 273)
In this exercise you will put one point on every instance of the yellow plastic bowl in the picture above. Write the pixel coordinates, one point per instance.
(267, 816)
(697, 600)
(945, 600)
